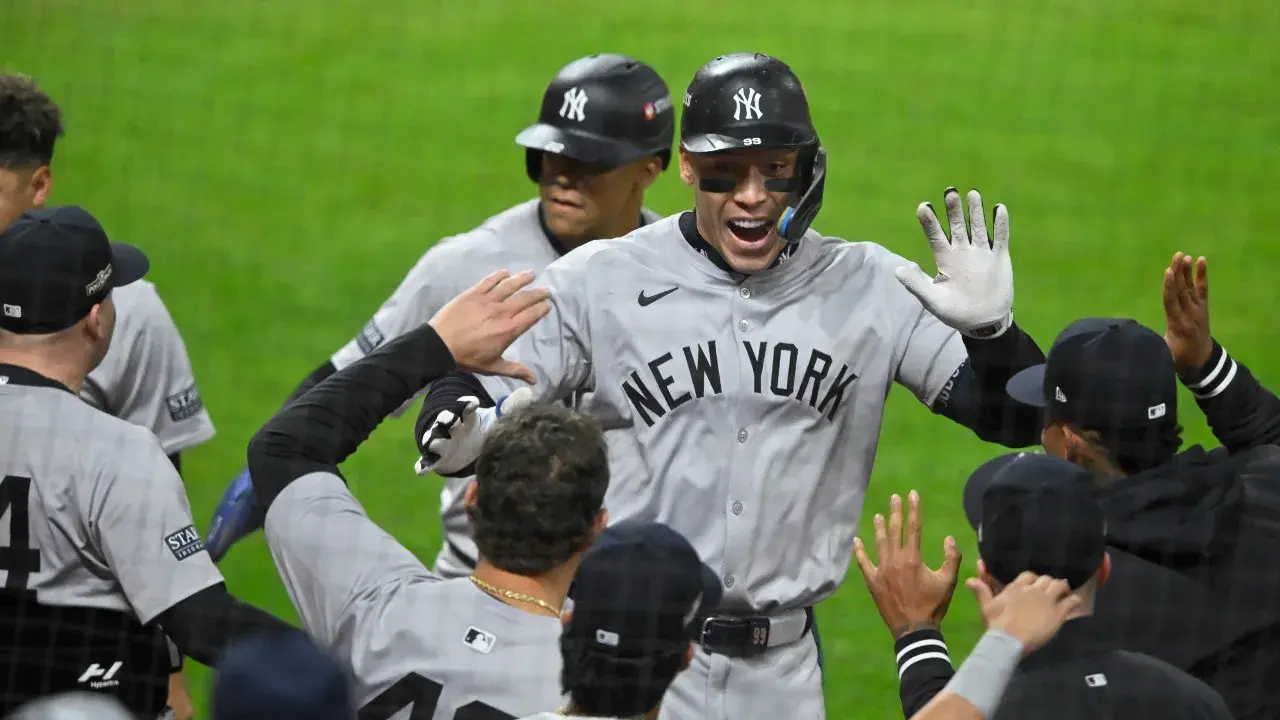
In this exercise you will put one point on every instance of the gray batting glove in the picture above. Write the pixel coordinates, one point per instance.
(973, 291)
(454, 439)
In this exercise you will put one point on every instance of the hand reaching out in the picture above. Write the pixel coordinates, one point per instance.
(481, 323)
(1186, 312)
(1032, 608)
(909, 595)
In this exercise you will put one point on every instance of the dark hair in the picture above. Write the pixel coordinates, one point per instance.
(603, 685)
(540, 483)
(30, 123)
(1134, 451)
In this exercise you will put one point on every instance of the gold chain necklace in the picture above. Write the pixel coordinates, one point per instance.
(521, 597)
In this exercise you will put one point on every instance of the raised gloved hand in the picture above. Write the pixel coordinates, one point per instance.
(973, 291)
(238, 515)
(453, 441)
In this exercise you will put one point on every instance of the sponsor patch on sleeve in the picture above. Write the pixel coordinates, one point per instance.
(370, 337)
(184, 404)
(185, 543)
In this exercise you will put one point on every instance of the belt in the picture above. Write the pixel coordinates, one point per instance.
(742, 636)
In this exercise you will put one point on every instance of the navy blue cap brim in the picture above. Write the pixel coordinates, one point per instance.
(1027, 387)
(578, 145)
(131, 264)
(976, 486)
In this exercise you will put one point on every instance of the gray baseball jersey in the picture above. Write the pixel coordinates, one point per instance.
(414, 641)
(94, 513)
(146, 377)
(511, 240)
(743, 411)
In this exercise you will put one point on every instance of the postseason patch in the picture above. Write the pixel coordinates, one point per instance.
(185, 543)
(370, 337)
(184, 404)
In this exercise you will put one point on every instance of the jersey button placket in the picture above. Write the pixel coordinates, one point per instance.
(741, 476)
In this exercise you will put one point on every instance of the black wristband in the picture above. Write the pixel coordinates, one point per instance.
(919, 650)
(1210, 379)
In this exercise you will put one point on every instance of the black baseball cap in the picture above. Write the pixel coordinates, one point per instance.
(1105, 374)
(1036, 513)
(55, 265)
(640, 591)
(606, 110)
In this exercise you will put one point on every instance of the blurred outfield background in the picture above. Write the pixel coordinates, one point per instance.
(284, 163)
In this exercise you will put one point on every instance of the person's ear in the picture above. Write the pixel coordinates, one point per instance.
(650, 169)
(41, 185)
(469, 494)
(601, 522)
(689, 654)
(985, 576)
(96, 325)
(1104, 572)
(565, 617)
(687, 175)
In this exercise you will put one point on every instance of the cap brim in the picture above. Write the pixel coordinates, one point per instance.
(1027, 387)
(581, 146)
(978, 483)
(131, 264)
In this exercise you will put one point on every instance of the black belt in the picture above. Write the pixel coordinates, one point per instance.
(741, 636)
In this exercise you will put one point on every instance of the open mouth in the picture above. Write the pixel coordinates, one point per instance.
(750, 230)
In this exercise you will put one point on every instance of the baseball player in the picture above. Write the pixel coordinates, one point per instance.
(146, 377)
(99, 559)
(740, 363)
(603, 136)
(418, 645)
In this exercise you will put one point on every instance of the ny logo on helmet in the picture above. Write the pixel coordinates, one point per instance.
(575, 100)
(746, 102)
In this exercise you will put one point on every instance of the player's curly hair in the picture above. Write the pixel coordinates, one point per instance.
(30, 123)
(602, 685)
(540, 483)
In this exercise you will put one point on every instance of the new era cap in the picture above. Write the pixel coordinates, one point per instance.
(1036, 513)
(281, 675)
(1104, 374)
(55, 265)
(641, 590)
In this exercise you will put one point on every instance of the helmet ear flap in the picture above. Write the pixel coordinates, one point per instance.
(812, 174)
(533, 164)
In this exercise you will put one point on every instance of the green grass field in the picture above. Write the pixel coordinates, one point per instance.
(285, 163)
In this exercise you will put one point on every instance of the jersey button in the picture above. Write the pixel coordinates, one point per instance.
(737, 508)
(744, 326)
(742, 435)
(745, 292)
(728, 581)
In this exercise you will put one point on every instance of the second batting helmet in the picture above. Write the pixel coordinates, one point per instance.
(602, 109)
(747, 100)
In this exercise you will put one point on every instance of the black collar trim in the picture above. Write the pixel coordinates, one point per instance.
(17, 375)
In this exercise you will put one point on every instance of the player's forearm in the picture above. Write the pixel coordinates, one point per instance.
(319, 430)
(977, 397)
(975, 690)
(1241, 412)
(206, 622)
(924, 668)
(317, 376)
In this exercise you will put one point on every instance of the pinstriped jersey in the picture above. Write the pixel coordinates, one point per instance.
(743, 411)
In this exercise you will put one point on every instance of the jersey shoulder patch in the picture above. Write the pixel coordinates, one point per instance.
(479, 640)
(184, 404)
(370, 337)
(184, 543)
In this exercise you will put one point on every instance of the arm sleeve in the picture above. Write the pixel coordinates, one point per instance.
(924, 668)
(1241, 412)
(140, 520)
(975, 395)
(151, 383)
(204, 623)
(326, 548)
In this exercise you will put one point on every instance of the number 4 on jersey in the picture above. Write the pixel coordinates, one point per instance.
(424, 695)
(17, 558)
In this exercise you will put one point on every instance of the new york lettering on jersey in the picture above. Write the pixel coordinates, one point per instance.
(420, 647)
(779, 380)
(96, 540)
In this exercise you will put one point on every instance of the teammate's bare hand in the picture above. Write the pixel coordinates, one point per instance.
(1032, 608)
(481, 323)
(973, 291)
(908, 594)
(1186, 312)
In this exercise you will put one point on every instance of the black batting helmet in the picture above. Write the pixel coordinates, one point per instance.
(749, 100)
(602, 109)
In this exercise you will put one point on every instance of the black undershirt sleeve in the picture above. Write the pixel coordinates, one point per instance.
(206, 622)
(975, 397)
(176, 459)
(320, 429)
(924, 668)
(1241, 412)
(444, 394)
(317, 376)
